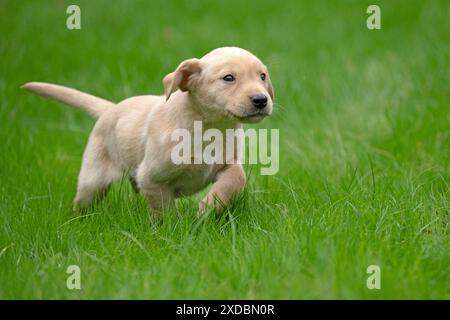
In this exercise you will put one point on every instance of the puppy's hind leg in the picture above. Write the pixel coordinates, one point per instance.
(96, 174)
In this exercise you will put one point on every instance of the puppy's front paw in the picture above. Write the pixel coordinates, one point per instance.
(210, 202)
(203, 208)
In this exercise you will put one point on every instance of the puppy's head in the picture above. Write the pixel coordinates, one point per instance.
(227, 83)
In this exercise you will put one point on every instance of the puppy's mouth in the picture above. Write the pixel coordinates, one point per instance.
(252, 117)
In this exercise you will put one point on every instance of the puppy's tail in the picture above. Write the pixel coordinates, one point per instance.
(94, 106)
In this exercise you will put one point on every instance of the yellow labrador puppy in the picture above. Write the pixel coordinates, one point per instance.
(225, 88)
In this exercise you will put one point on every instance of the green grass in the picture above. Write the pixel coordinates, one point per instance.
(364, 119)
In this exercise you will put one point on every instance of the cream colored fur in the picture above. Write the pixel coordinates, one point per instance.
(133, 138)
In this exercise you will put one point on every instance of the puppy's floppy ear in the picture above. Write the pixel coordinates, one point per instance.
(181, 77)
(270, 87)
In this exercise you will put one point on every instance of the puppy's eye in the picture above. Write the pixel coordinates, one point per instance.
(263, 76)
(229, 78)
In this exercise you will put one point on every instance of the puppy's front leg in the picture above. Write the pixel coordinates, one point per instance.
(229, 182)
(160, 197)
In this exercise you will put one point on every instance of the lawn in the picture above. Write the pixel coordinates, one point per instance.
(364, 120)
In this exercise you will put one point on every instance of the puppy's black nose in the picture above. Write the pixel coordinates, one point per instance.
(259, 101)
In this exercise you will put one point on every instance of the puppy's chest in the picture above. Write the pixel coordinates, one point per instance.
(194, 177)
